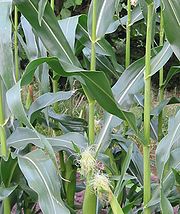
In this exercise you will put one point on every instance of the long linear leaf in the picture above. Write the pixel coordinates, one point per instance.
(96, 82)
(42, 177)
(21, 137)
(49, 31)
(168, 180)
(133, 82)
(16, 107)
(41, 7)
(136, 15)
(102, 46)
(103, 21)
(165, 146)
(171, 17)
(48, 99)
(30, 46)
(68, 27)
(167, 157)
(6, 56)
(125, 166)
(173, 71)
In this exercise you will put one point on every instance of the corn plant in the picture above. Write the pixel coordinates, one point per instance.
(39, 169)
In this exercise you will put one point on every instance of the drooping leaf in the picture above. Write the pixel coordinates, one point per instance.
(6, 56)
(102, 46)
(96, 82)
(15, 104)
(136, 165)
(21, 137)
(34, 48)
(103, 21)
(49, 31)
(42, 177)
(130, 83)
(48, 99)
(102, 64)
(168, 180)
(171, 18)
(163, 57)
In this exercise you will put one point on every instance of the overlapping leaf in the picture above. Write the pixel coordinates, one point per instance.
(48, 99)
(42, 177)
(96, 82)
(24, 136)
(131, 82)
(49, 31)
(136, 15)
(167, 157)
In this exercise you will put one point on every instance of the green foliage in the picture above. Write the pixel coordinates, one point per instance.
(47, 149)
(67, 7)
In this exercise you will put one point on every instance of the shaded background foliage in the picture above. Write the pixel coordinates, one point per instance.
(66, 8)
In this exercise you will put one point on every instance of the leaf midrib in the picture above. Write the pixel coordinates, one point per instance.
(44, 181)
(52, 33)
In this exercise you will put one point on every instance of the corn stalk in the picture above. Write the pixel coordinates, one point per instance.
(147, 110)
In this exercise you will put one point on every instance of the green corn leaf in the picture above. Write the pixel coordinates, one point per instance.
(171, 17)
(158, 109)
(177, 176)
(48, 99)
(125, 167)
(173, 71)
(165, 146)
(30, 46)
(41, 7)
(103, 21)
(103, 47)
(49, 31)
(7, 176)
(167, 158)
(42, 177)
(68, 27)
(16, 107)
(21, 137)
(130, 83)
(68, 123)
(149, 1)
(6, 56)
(15, 104)
(136, 15)
(166, 206)
(96, 82)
